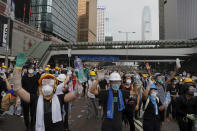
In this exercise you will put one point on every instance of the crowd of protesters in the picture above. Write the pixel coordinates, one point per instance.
(42, 95)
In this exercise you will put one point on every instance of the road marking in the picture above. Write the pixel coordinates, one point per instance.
(139, 122)
(138, 127)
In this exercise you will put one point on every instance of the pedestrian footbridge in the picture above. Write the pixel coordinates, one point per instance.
(130, 50)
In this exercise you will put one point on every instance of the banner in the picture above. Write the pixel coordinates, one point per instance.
(99, 58)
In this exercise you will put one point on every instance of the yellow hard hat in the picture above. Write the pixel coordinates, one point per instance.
(57, 68)
(188, 80)
(144, 75)
(4, 67)
(92, 73)
(46, 69)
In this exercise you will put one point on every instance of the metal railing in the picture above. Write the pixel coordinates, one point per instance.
(123, 44)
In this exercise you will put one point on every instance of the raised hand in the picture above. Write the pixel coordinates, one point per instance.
(148, 66)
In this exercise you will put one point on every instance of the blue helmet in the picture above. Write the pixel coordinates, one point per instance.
(153, 87)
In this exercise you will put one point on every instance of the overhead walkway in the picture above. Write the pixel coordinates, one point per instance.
(45, 50)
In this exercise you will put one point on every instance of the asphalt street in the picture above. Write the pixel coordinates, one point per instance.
(77, 121)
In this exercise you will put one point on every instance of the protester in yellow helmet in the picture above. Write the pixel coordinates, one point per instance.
(48, 66)
(91, 97)
(92, 73)
(188, 80)
(4, 67)
(49, 105)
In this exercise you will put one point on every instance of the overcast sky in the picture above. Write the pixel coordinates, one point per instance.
(126, 15)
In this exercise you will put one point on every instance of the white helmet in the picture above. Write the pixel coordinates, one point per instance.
(115, 77)
(61, 77)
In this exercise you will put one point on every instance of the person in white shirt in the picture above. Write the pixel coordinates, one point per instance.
(91, 101)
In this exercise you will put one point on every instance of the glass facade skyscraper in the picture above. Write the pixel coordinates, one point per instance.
(56, 17)
(181, 19)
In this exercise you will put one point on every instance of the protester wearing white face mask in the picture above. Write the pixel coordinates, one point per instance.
(131, 104)
(48, 111)
(112, 101)
(30, 84)
(91, 101)
(152, 108)
(3, 68)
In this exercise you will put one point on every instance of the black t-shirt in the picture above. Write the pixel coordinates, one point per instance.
(131, 103)
(30, 84)
(103, 96)
(186, 106)
(149, 113)
(103, 84)
(173, 91)
(49, 125)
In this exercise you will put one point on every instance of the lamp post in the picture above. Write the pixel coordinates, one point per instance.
(127, 35)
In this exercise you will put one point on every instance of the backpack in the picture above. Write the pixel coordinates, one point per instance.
(144, 107)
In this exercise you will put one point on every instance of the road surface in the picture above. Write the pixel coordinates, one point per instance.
(78, 121)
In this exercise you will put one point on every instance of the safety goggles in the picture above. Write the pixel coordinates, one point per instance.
(50, 82)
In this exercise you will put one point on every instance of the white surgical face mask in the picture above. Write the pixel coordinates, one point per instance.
(128, 81)
(31, 71)
(154, 94)
(47, 90)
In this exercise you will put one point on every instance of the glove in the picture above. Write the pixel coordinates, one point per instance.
(191, 117)
(3, 76)
(20, 60)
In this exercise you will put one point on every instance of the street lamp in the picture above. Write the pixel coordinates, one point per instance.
(127, 34)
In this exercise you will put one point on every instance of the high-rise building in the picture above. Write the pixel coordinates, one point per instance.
(87, 20)
(161, 20)
(146, 24)
(22, 10)
(100, 23)
(56, 17)
(181, 19)
(152, 20)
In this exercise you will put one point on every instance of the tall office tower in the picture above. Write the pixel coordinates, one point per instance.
(56, 17)
(181, 19)
(100, 23)
(146, 24)
(87, 20)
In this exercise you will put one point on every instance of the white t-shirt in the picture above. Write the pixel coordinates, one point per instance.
(90, 83)
(59, 89)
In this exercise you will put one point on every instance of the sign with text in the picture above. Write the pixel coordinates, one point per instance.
(5, 31)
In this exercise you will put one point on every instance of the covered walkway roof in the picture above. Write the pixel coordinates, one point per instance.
(43, 50)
